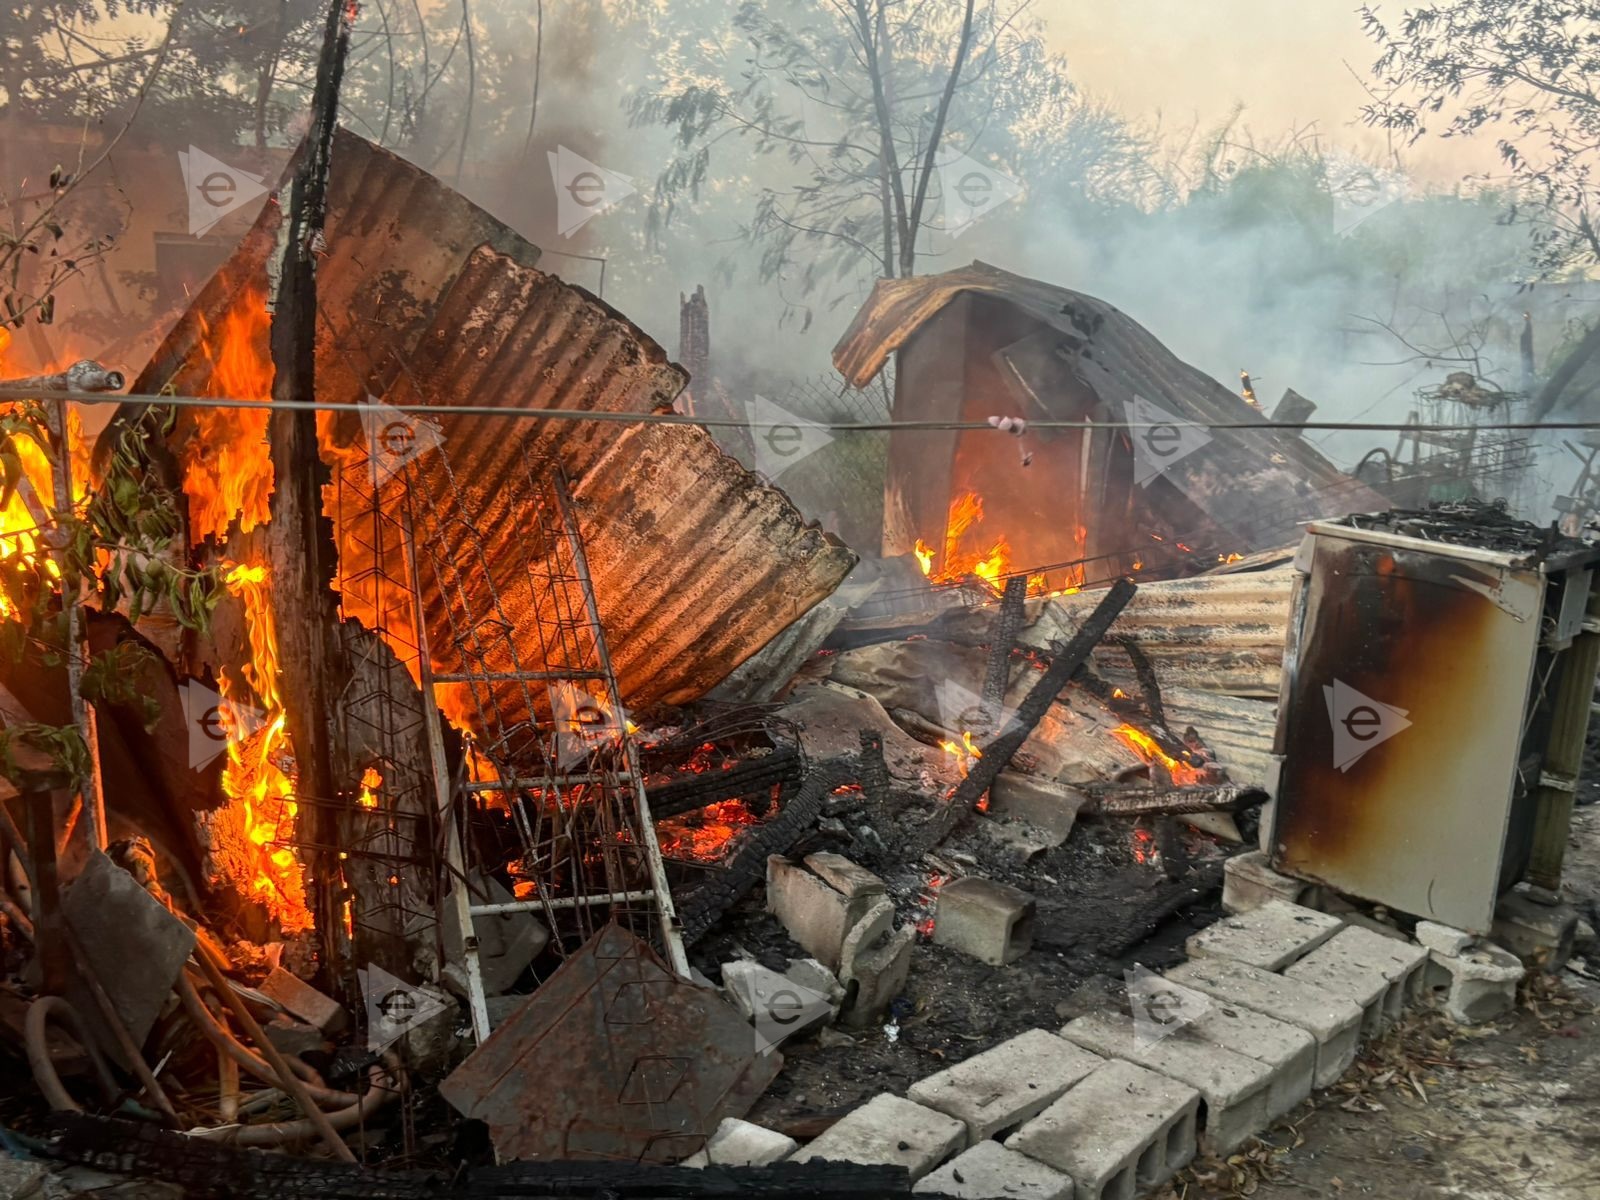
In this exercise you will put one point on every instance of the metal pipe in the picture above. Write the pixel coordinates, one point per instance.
(282, 1132)
(521, 906)
(36, 1040)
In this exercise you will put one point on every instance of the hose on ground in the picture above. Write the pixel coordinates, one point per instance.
(36, 1039)
(385, 1079)
(202, 1016)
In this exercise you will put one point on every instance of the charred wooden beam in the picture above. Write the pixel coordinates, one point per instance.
(301, 549)
(1007, 624)
(1147, 799)
(998, 752)
(783, 766)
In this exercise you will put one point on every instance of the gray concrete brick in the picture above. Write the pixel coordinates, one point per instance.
(1270, 936)
(816, 915)
(989, 1171)
(1481, 982)
(741, 1144)
(1234, 1087)
(990, 921)
(1332, 1020)
(876, 975)
(1541, 935)
(889, 1131)
(1248, 883)
(1002, 1087)
(304, 1001)
(1445, 939)
(1381, 974)
(1288, 1050)
(1119, 1129)
(843, 876)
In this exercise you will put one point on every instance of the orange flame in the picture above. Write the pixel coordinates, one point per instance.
(1147, 748)
(966, 752)
(227, 463)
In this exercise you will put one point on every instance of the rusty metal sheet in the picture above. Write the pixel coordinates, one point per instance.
(1256, 485)
(613, 1058)
(425, 298)
(1220, 633)
(1402, 722)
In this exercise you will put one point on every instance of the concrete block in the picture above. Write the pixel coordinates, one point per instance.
(300, 999)
(1270, 936)
(1248, 883)
(1334, 1021)
(778, 1009)
(1480, 984)
(876, 976)
(1378, 973)
(989, 1171)
(740, 1144)
(1289, 1051)
(811, 974)
(889, 1131)
(875, 925)
(990, 921)
(1119, 1129)
(1045, 803)
(816, 915)
(1541, 935)
(999, 1089)
(1234, 1088)
(843, 876)
(1018, 840)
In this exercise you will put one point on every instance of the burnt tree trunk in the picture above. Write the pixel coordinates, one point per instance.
(301, 549)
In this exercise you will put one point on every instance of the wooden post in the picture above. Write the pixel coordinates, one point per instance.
(49, 925)
(1563, 756)
(300, 542)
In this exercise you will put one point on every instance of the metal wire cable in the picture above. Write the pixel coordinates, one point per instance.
(654, 418)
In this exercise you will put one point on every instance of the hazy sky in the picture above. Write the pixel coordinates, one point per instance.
(1288, 63)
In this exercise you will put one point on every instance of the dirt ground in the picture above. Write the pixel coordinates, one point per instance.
(1510, 1109)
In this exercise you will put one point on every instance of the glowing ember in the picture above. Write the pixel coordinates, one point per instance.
(704, 835)
(371, 781)
(990, 562)
(1144, 847)
(1146, 747)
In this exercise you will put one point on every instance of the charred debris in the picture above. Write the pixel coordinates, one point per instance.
(485, 775)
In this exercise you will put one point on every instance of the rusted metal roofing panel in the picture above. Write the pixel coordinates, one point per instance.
(1258, 484)
(425, 298)
(1239, 731)
(1219, 633)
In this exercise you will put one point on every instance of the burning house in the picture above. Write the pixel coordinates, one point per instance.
(435, 766)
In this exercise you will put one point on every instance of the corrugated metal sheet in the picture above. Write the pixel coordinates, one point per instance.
(425, 298)
(1221, 633)
(1257, 484)
(1238, 730)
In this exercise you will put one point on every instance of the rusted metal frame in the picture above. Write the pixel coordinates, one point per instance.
(671, 932)
(1563, 758)
(998, 752)
(1008, 623)
(460, 903)
(559, 902)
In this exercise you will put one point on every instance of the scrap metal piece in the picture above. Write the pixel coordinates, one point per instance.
(612, 1058)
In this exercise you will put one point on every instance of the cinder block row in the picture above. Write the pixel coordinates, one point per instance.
(1380, 974)
(1121, 1128)
(1270, 936)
